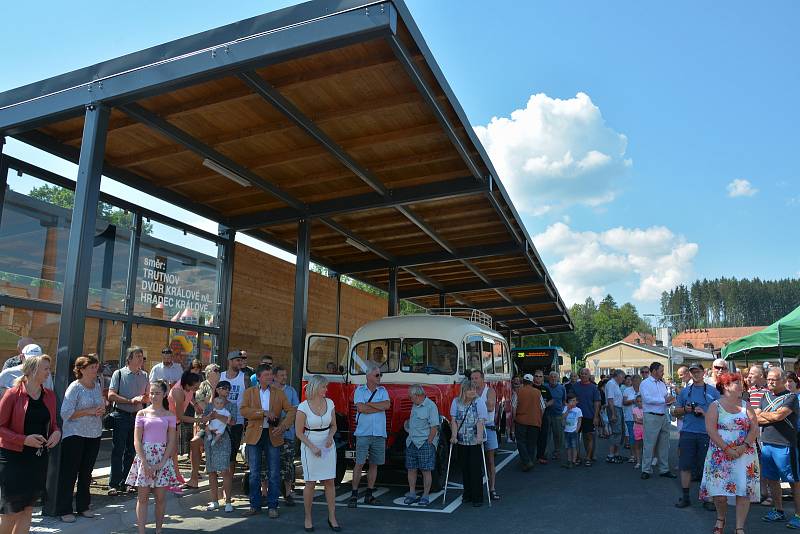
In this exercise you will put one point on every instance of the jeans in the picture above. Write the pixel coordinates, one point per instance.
(541, 440)
(471, 471)
(273, 454)
(78, 455)
(527, 437)
(556, 425)
(122, 451)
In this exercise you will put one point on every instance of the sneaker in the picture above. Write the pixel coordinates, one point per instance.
(794, 522)
(212, 506)
(638, 465)
(683, 503)
(774, 516)
(410, 498)
(228, 508)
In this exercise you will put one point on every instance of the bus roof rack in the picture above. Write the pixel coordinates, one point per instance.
(475, 316)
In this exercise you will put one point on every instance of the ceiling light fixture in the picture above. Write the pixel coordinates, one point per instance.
(227, 173)
(356, 244)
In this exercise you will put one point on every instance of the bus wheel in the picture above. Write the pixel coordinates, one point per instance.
(439, 474)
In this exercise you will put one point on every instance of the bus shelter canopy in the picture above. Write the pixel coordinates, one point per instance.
(333, 112)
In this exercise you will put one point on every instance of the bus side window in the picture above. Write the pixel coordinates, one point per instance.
(488, 356)
(473, 353)
(506, 366)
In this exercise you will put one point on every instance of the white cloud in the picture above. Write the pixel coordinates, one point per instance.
(651, 260)
(556, 153)
(741, 188)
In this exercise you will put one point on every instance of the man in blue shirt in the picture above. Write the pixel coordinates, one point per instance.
(372, 401)
(554, 419)
(692, 404)
(287, 452)
(589, 403)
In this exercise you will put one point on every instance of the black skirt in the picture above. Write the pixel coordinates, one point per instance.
(23, 475)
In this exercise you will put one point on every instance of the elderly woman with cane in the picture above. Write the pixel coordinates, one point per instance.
(468, 420)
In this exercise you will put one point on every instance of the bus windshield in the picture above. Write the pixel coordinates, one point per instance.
(429, 356)
(385, 353)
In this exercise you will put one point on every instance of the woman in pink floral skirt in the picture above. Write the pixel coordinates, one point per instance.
(731, 470)
(154, 439)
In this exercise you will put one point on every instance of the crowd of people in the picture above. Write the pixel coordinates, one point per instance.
(738, 433)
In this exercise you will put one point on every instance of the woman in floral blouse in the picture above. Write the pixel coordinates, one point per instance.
(731, 468)
(468, 420)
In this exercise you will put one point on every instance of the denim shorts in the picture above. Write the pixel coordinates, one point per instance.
(372, 448)
(491, 440)
(571, 440)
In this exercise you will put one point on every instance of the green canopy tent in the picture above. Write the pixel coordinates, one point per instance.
(780, 339)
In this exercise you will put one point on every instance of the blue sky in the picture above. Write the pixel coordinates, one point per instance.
(648, 114)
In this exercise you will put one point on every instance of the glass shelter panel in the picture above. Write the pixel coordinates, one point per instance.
(34, 232)
(177, 277)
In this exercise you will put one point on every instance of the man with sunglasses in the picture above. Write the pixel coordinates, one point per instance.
(719, 367)
(372, 401)
(644, 372)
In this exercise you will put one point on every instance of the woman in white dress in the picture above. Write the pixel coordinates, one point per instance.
(315, 425)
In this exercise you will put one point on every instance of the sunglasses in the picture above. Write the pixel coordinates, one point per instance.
(378, 375)
(719, 368)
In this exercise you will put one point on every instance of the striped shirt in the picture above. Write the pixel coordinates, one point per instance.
(756, 394)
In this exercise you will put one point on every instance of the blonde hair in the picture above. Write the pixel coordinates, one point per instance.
(315, 383)
(466, 385)
(30, 366)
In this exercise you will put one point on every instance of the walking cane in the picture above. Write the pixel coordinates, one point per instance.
(486, 475)
(447, 476)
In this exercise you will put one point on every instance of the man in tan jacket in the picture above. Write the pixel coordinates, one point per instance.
(262, 406)
(528, 421)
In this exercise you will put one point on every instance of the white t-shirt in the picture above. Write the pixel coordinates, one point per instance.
(215, 424)
(613, 393)
(628, 394)
(169, 374)
(264, 394)
(237, 392)
(571, 420)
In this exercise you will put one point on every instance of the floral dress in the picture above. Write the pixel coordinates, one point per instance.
(731, 478)
(154, 443)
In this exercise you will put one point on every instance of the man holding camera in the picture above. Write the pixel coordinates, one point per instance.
(692, 404)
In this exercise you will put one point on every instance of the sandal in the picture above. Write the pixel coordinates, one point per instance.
(719, 529)
(493, 494)
(588, 463)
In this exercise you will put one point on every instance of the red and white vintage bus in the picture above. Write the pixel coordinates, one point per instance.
(434, 349)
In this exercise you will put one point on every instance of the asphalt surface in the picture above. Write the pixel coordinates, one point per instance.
(604, 498)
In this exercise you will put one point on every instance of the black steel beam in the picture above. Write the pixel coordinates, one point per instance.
(472, 286)
(225, 291)
(278, 37)
(456, 187)
(48, 144)
(78, 268)
(290, 111)
(407, 61)
(394, 303)
(165, 128)
(527, 317)
(514, 303)
(442, 300)
(300, 307)
(3, 175)
(481, 251)
(35, 305)
(346, 232)
(426, 228)
(130, 286)
(66, 183)
(501, 212)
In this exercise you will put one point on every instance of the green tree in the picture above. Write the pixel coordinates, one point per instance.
(65, 198)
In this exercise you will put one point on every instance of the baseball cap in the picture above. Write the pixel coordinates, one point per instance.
(224, 384)
(527, 377)
(32, 350)
(232, 355)
(696, 365)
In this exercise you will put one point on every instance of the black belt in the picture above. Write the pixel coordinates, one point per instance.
(491, 427)
(318, 429)
(654, 413)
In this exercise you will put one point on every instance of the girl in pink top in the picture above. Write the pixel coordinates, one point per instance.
(152, 469)
(638, 431)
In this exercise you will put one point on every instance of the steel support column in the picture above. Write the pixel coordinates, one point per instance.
(130, 286)
(300, 308)
(394, 304)
(338, 302)
(225, 292)
(442, 300)
(3, 175)
(78, 266)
